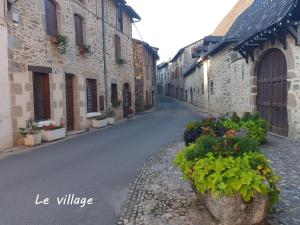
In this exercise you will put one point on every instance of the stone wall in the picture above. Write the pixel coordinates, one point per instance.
(145, 76)
(119, 74)
(5, 116)
(235, 83)
(196, 88)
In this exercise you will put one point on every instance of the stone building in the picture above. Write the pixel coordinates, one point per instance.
(56, 63)
(256, 66)
(181, 62)
(145, 58)
(163, 78)
(5, 115)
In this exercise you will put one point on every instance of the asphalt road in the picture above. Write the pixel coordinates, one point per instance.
(99, 165)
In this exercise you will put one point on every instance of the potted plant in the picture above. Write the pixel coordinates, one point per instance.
(61, 42)
(31, 133)
(230, 176)
(111, 117)
(116, 103)
(130, 113)
(85, 49)
(100, 121)
(53, 132)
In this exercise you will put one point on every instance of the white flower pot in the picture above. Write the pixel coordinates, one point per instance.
(32, 139)
(110, 121)
(99, 123)
(52, 135)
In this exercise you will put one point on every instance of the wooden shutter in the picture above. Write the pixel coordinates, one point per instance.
(51, 18)
(117, 47)
(41, 94)
(78, 30)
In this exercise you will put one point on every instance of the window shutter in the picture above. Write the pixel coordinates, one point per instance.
(51, 18)
(78, 30)
(117, 47)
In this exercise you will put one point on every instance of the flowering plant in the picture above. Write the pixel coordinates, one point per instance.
(53, 126)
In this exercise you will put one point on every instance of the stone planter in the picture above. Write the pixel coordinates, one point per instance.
(130, 115)
(111, 121)
(32, 140)
(233, 210)
(99, 123)
(52, 135)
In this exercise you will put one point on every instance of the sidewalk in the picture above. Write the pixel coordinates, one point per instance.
(160, 196)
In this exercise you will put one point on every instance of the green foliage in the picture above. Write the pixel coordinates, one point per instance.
(30, 128)
(257, 127)
(194, 126)
(182, 162)
(229, 176)
(62, 44)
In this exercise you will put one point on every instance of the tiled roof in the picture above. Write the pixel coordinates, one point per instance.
(261, 15)
(212, 39)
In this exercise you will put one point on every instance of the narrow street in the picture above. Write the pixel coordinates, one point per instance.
(99, 165)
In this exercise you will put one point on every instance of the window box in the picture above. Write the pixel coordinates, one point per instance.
(53, 135)
(121, 61)
(100, 123)
(32, 140)
(111, 121)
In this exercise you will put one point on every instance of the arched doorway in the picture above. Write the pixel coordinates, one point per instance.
(126, 99)
(272, 90)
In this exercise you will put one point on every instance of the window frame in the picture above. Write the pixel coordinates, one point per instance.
(41, 96)
(79, 34)
(51, 29)
(114, 92)
(118, 52)
(94, 100)
(119, 18)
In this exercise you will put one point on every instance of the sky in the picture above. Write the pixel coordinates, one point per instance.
(172, 24)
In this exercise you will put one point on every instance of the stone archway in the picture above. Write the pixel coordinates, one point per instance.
(272, 90)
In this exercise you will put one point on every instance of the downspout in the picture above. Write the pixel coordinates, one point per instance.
(104, 54)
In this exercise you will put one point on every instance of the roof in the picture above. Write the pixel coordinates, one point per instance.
(129, 10)
(153, 50)
(229, 19)
(260, 18)
(190, 68)
(178, 54)
(162, 65)
(212, 39)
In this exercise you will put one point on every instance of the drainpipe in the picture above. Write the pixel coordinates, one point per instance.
(104, 53)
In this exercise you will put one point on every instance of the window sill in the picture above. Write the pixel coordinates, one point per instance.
(93, 114)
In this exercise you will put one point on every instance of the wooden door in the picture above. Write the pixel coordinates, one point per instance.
(69, 103)
(272, 91)
(126, 100)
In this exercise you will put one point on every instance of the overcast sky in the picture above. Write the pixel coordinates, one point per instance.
(173, 24)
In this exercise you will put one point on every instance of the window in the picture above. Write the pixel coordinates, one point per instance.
(119, 18)
(212, 87)
(51, 18)
(117, 47)
(91, 93)
(202, 88)
(41, 96)
(78, 29)
(114, 93)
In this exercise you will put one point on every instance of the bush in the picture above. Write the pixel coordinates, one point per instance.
(230, 176)
(257, 127)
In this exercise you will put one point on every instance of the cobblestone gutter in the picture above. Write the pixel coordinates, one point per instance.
(160, 196)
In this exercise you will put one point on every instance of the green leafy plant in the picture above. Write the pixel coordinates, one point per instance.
(111, 114)
(116, 103)
(86, 49)
(29, 129)
(62, 44)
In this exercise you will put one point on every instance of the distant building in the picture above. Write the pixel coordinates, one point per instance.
(145, 58)
(163, 78)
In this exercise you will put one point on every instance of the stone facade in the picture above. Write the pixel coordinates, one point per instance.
(235, 83)
(5, 116)
(196, 88)
(145, 58)
(163, 78)
(29, 54)
(118, 73)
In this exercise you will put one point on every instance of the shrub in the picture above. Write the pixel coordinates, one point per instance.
(246, 175)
